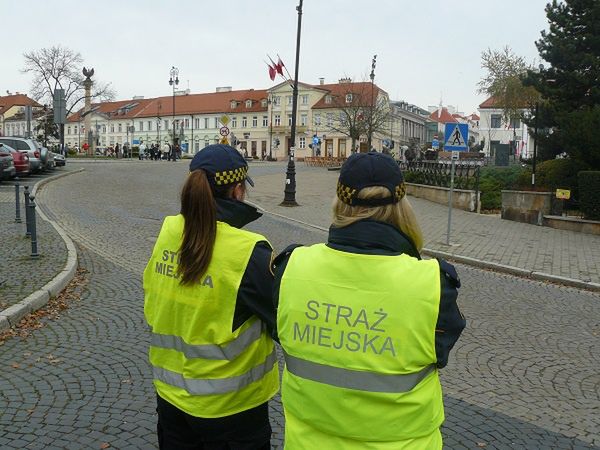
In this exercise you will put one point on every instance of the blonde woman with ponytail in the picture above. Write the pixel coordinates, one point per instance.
(365, 324)
(208, 303)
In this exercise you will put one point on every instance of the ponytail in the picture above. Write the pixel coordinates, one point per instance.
(199, 210)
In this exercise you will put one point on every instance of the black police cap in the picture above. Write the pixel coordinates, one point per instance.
(223, 164)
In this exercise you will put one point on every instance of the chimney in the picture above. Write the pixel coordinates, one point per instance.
(223, 89)
(345, 80)
(321, 80)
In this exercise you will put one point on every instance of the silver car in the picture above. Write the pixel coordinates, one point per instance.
(28, 146)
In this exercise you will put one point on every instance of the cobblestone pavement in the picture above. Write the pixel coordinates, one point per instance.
(20, 275)
(524, 374)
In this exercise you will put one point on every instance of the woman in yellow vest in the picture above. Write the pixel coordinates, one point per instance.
(365, 323)
(208, 288)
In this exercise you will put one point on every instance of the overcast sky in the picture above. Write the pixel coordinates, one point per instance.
(425, 49)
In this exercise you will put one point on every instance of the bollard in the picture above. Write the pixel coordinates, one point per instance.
(34, 251)
(17, 202)
(27, 212)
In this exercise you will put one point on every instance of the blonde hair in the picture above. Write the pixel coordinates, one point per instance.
(400, 214)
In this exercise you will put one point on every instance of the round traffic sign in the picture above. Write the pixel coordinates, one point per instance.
(224, 131)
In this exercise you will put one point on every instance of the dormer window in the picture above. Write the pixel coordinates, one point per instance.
(349, 98)
(248, 103)
(263, 103)
(233, 104)
(328, 99)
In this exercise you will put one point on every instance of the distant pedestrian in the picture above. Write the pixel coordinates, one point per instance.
(117, 148)
(142, 151)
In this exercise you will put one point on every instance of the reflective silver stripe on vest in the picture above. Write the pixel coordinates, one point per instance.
(196, 386)
(210, 351)
(355, 379)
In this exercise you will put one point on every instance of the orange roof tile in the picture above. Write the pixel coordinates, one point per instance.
(210, 103)
(361, 91)
(8, 101)
(444, 116)
(490, 103)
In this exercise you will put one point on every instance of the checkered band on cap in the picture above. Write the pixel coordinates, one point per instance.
(349, 196)
(345, 193)
(231, 176)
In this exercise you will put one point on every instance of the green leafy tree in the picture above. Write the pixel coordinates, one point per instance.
(504, 81)
(571, 85)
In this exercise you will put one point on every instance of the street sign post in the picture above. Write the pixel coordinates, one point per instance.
(224, 131)
(456, 137)
(435, 144)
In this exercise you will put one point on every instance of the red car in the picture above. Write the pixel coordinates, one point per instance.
(21, 160)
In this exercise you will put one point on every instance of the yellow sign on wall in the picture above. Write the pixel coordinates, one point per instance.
(564, 194)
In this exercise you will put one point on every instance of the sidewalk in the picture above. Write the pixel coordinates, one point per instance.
(27, 283)
(478, 239)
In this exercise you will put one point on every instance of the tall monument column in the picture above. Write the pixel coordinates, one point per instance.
(89, 135)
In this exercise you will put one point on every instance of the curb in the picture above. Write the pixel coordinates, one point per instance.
(496, 267)
(13, 314)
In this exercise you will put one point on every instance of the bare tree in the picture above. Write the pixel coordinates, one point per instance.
(60, 68)
(361, 112)
(503, 81)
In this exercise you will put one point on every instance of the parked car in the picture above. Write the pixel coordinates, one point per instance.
(28, 146)
(20, 160)
(46, 156)
(7, 166)
(59, 160)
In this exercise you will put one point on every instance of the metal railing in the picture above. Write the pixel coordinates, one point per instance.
(437, 173)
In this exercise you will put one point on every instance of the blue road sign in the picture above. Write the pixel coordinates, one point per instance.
(315, 140)
(435, 144)
(456, 136)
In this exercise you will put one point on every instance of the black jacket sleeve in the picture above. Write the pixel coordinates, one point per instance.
(279, 265)
(256, 287)
(451, 322)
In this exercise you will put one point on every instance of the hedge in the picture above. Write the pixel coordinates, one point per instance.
(560, 174)
(589, 194)
(495, 179)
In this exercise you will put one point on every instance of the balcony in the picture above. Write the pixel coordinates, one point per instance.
(288, 129)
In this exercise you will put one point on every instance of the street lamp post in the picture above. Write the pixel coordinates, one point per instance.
(290, 179)
(370, 131)
(174, 81)
(535, 139)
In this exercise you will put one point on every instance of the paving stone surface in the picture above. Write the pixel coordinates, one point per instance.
(524, 374)
(20, 275)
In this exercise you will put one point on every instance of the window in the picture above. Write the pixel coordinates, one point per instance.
(248, 103)
(265, 122)
(263, 103)
(302, 142)
(349, 98)
(120, 128)
(254, 122)
(304, 99)
(303, 119)
(328, 99)
(329, 119)
(234, 122)
(206, 124)
(75, 130)
(496, 121)
(515, 123)
(166, 125)
(244, 122)
(140, 126)
(196, 123)
(187, 123)
(68, 130)
(104, 128)
(289, 100)
(277, 120)
(233, 104)
(216, 120)
(318, 119)
(277, 100)
(289, 120)
(112, 127)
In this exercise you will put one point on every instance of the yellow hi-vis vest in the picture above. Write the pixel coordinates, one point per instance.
(200, 365)
(358, 334)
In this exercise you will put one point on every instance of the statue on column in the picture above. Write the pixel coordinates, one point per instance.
(87, 84)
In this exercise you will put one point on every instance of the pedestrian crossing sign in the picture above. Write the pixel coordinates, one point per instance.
(456, 136)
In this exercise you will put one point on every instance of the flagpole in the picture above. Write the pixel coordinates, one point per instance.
(290, 177)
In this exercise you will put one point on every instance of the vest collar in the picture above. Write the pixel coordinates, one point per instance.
(371, 237)
(236, 213)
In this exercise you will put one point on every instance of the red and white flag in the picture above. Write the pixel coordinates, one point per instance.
(279, 66)
(272, 72)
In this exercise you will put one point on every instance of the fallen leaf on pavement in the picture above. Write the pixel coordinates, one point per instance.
(15, 365)
(481, 444)
(105, 445)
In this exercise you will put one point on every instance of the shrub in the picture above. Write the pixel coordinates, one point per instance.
(589, 197)
(493, 180)
(559, 174)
